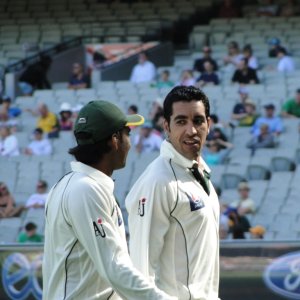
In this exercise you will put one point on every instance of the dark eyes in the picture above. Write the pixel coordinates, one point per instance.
(196, 121)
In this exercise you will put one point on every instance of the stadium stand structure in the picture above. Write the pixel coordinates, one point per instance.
(273, 174)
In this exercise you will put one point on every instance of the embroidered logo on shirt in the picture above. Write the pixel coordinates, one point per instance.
(141, 209)
(82, 121)
(98, 228)
(195, 203)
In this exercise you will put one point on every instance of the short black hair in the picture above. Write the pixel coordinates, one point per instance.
(185, 94)
(281, 50)
(134, 108)
(30, 226)
(214, 118)
(90, 154)
(167, 72)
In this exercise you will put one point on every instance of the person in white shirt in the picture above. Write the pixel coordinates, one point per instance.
(252, 60)
(39, 146)
(285, 63)
(245, 205)
(8, 143)
(147, 140)
(85, 251)
(38, 199)
(144, 71)
(173, 209)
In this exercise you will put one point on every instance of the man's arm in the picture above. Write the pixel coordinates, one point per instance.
(93, 224)
(149, 205)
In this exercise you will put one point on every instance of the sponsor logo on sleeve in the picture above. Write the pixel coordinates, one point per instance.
(282, 276)
(98, 228)
(195, 202)
(141, 208)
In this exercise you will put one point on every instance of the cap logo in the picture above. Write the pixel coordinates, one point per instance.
(82, 121)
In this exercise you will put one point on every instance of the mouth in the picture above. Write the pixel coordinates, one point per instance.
(191, 142)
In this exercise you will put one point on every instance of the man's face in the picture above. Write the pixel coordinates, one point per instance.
(244, 193)
(31, 232)
(188, 128)
(243, 97)
(142, 58)
(124, 146)
(269, 112)
(76, 69)
(43, 110)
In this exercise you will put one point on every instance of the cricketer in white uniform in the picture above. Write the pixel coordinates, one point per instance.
(173, 208)
(85, 253)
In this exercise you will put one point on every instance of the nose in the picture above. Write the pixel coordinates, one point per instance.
(191, 130)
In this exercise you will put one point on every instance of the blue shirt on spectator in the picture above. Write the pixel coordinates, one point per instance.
(275, 125)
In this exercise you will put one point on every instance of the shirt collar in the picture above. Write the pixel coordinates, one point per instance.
(168, 151)
(95, 174)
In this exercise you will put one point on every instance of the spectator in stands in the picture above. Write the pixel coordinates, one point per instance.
(274, 44)
(208, 77)
(216, 151)
(238, 225)
(8, 142)
(250, 115)
(187, 78)
(224, 220)
(268, 9)
(291, 108)
(147, 140)
(289, 9)
(132, 109)
(164, 80)
(8, 207)
(265, 139)
(144, 71)
(30, 235)
(35, 76)
(239, 110)
(199, 63)
(257, 232)
(285, 63)
(215, 125)
(216, 134)
(244, 205)
(39, 145)
(65, 121)
(156, 115)
(274, 123)
(228, 10)
(38, 199)
(245, 74)
(8, 114)
(79, 80)
(47, 120)
(252, 60)
(234, 56)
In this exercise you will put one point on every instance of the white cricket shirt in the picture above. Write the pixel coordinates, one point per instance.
(174, 228)
(85, 252)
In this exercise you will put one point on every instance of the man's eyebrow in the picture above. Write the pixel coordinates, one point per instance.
(180, 117)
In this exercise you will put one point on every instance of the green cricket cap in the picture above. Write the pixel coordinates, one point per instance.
(99, 119)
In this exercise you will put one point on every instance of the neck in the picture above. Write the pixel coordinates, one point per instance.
(104, 166)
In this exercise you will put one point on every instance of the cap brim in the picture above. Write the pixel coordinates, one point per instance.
(135, 120)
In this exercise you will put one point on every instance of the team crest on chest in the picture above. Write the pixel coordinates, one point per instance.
(195, 202)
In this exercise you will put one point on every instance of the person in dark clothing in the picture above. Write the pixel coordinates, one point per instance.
(199, 63)
(244, 74)
(238, 225)
(208, 77)
(35, 76)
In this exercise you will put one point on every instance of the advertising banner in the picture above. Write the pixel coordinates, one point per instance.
(249, 271)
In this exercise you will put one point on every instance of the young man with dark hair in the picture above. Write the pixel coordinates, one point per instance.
(173, 207)
(85, 255)
(30, 235)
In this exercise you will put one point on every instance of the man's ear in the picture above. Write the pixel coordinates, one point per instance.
(208, 125)
(114, 142)
(166, 126)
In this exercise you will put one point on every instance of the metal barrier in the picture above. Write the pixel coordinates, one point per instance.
(250, 270)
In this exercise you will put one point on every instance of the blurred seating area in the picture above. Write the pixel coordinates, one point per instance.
(273, 174)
